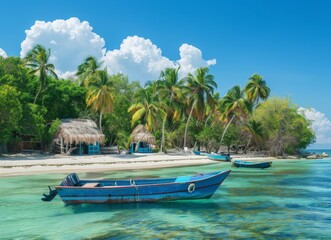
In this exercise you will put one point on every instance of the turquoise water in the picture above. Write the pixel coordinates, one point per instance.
(290, 200)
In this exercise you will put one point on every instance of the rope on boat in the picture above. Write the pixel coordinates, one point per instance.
(133, 183)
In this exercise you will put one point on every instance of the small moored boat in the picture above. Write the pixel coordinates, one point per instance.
(198, 152)
(74, 190)
(251, 164)
(224, 157)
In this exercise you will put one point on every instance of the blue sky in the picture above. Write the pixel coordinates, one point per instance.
(287, 42)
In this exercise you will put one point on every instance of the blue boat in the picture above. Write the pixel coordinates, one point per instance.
(251, 164)
(73, 190)
(224, 157)
(198, 153)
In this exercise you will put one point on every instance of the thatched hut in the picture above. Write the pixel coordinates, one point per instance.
(141, 140)
(79, 135)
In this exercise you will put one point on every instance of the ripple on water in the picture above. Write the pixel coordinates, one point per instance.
(290, 200)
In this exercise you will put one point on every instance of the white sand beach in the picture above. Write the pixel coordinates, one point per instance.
(22, 164)
(28, 164)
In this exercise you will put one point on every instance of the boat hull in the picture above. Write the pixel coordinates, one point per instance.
(246, 164)
(199, 153)
(225, 158)
(197, 187)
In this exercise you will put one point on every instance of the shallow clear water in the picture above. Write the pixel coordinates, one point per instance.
(290, 200)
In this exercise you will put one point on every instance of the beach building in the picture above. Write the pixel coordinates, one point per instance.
(142, 140)
(79, 136)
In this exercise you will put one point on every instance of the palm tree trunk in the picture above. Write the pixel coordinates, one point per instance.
(207, 119)
(226, 128)
(100, 121)
(35, 99)
(162, 139)
(247, 145)
(163, 126)
(188, 120)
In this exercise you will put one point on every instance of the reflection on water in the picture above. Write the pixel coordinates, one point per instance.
(292, 199)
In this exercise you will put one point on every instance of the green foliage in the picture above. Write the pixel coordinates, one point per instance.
(256, 89)
(10, 112)
(148, 109)
(209, 137)
(33, 122)
(100, 93)
(170, 107)
(54, 127)
(37, 60)
(87, 70)
(253, 132)
(201, 89)
(64, 99)
(234, 103)
(232, 136)
(286, 131)
(117, 125)
(13, 73)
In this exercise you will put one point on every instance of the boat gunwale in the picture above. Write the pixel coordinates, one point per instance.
(250, 162)
(142, 185)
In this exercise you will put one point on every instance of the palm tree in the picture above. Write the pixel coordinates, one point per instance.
(256, 89)
(87, 69)
(100, 93)
(37, 59)
(146, 109)
(201, 90)
(171, 90)
(213, 110)
(255, 131)
(234, 104)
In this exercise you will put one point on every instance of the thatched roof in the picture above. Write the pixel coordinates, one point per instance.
(140, 134)
(79, 130)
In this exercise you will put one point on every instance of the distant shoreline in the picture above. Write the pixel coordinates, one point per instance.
(31, 164)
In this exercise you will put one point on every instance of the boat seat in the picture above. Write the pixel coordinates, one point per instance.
(90, 185)
(182, 179)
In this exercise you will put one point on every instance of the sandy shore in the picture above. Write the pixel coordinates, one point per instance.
(28, 164)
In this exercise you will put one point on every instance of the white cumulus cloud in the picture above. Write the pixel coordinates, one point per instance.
(191, 59)
(320, 123)
(142, 60)
(70, 41)
(3, 53)
(138, 58)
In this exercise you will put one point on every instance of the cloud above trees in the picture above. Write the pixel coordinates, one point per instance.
(320, 124)
(3, 53)
(138, 58)
(72, 40)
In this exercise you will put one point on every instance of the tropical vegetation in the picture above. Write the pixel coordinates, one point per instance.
(180, 111)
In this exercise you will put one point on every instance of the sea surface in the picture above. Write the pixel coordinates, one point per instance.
(290, 200)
